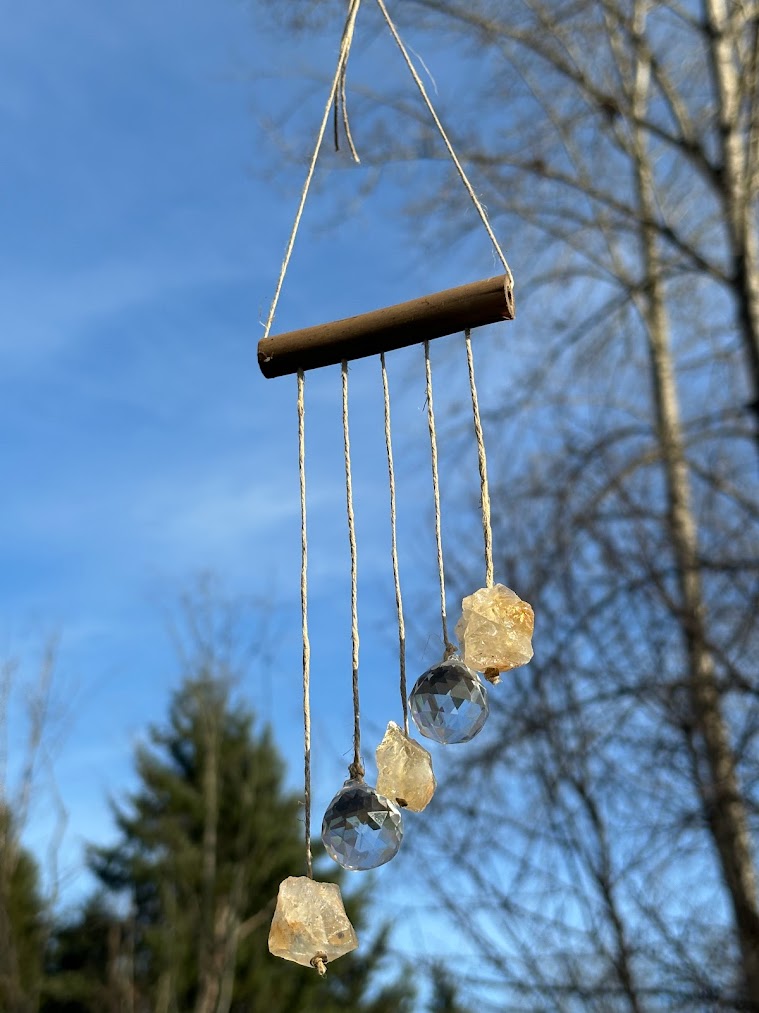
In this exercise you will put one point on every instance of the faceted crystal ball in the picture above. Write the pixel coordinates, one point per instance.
(449, 703)
(495, 630)
(361, 828)
(310, 923)
(404, 770)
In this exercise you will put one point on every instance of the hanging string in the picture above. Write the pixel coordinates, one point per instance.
(304, 620)
(459, 167)
(345, 45)
(394, 546)
(449, 647)
(356, 768)
(487, 531)
(341, 109)
(346, 120)
(337, 97)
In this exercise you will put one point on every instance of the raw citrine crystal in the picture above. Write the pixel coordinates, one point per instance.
(449, 703)
(361, 828)
(404, 770)
(495, 630)
(310, 925)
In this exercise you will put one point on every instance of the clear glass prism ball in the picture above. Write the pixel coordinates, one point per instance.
(449, 703)
(361, 828)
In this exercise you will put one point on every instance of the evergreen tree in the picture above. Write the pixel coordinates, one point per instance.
(204, 842)
(85, 955)
(22, 922)
(444, 993)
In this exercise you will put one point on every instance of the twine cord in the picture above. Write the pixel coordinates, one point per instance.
(449, 647)
(356, 768)
(337, 97)
(343, 102)
(487, 531)
(340, 110)
(320, 963)
(304, 621)
(345, 45)
(441, 130)
(394, 547)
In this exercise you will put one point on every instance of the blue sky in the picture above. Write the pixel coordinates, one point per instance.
(145, 206)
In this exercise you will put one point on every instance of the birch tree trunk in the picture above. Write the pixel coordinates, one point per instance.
(735, 70)
(723, 805)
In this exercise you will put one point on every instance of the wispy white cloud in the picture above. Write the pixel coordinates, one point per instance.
(42, 315)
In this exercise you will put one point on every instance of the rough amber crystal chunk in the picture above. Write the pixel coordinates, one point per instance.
(310, 925)
(495, 630)
(404, 770)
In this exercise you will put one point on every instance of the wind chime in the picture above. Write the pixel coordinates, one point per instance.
(362, 827)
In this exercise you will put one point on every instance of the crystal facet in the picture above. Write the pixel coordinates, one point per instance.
(404, 770)
(449, 703)
(495, 630)
(361, 828)
(310, 923)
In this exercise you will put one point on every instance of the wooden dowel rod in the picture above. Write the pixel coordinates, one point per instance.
(407, 323)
